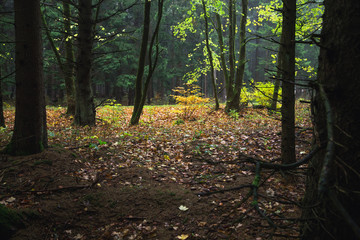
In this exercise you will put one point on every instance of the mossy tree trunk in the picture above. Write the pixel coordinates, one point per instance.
(332, 199)
(30, 133)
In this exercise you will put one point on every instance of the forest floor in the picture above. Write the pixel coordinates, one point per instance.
(163, 179)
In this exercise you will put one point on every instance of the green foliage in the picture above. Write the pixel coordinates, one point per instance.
(179, 121)
(260, 94)
(191, 99)
(234, 114)
(112, 113)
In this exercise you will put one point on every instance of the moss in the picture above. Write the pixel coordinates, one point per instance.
(44, 161)
(10, 221)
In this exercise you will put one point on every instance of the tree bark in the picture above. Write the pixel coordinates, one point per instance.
(288, 103)
(242, 56)
(2, 119)
(69, 69)
(279, 74)
(230, 104)
(85, 109)
(212, 69)
(30, 134)
(219, 31)
(142, 88)
(141, 66)
(332, 197)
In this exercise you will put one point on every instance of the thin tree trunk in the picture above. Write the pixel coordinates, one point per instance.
(139, 104)
(279, 74)
(230, 88)
(219, 31)
(288, 102)
(69, 69)
(30, 134)
(141, 66)
(242, 56)
(2, 119)
(85, 110)
(212, 69)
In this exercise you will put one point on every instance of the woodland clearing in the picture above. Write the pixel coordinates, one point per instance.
(164, 178)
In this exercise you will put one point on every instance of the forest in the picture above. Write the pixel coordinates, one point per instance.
(172, 119)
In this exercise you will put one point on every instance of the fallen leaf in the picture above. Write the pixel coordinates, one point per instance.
(183, 208)
(182, 236)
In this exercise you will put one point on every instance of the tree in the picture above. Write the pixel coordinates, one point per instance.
(332, 201)
(85, 109)
(288, 73)
(236, 71)
(69, 67)
(2, 120)
(30, 134)
(210, 56)
(141, 87)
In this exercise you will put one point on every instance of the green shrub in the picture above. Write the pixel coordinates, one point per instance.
(259, 94)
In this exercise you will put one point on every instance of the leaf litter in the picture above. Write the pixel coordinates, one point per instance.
(156, 180)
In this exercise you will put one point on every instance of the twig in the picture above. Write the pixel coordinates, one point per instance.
(323, 185)
(225, 190)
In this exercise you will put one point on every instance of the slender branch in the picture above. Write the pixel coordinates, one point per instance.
(323, 185)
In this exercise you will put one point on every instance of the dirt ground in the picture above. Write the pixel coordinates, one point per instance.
(139, 203)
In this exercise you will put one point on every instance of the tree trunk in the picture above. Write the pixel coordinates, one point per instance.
(279, 74)
(332, 199)
(142, 88)
(85, 110)
(141, 66)
(230, 103)
(69, 70)
(212, 69)
(2, 119)
(219, 31)
(242, 56)
(30, 134)
(288, 103)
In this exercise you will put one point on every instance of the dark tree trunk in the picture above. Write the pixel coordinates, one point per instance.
(242, 56)
(30, 134)
(85, 109)
(141, 86)
(288, 67)
(2, 119)
(332, 195)
(69, 67)
(141, 66)
(230, 91)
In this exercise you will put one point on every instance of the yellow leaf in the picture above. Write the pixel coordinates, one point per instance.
(182, 236)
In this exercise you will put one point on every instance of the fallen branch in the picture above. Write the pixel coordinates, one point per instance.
(283, 167)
